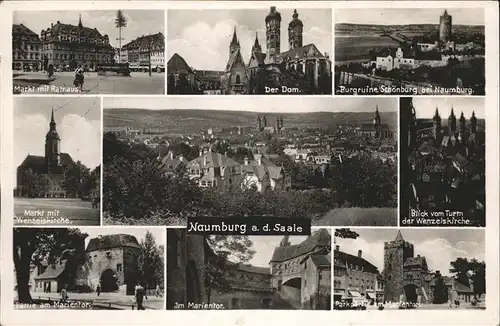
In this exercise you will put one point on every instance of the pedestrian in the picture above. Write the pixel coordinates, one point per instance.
(98, 289)
(140, 295)
(64, 293)
(158, 292)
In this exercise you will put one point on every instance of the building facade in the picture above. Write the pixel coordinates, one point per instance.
(66, 46)
(51, 167)
(356, 280)
(146, 51)
(376, 129)
(26, 49)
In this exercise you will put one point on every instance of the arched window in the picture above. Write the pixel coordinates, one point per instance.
(238, 80)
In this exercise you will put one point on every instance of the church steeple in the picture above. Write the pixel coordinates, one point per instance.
(256, 48)
(80, 21)
(52, 146)
(399, 237)
(235, 43)
(452, 121)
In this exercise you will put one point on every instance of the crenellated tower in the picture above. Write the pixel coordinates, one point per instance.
(445, 27)
(295, 28)
(273, 28)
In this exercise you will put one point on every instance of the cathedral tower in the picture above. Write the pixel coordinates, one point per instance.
(264, 121)
(461, 126)
(295, 28)
(395, 254)
(436, 126)
(259, 123)
(473, 123)
(235, 43)
(256, 48)
(452, 122)
(376, 122)
(52, 146)
(273, 25)
(80, 21)
(445, 27)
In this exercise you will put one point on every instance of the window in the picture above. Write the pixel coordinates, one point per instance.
(119, 267)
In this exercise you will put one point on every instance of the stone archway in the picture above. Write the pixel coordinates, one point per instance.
(410, 292)
(193, 291)
(109, 281)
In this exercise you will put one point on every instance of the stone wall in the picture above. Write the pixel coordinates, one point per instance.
(239, 299)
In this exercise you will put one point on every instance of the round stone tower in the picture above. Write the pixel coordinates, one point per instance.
(445, 27)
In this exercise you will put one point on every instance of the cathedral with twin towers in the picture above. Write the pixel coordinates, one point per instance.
(272, 67)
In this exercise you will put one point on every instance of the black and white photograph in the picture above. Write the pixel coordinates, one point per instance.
(410, 51)
(90, 268)
(423, 269)
(248, 272)
(241, 51)
(88, 52)
(57, 155)
(331, 160)
(443, 162)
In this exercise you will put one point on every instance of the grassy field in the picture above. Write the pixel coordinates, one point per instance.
(356, 216)
(355, 47)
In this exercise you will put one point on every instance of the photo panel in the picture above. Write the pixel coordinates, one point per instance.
(89, 268)
(418, 268)
(88, 52)
(443, 159)
(242, 272)
(332, 161)
(57, 155)
(241, 51)
(410, 51)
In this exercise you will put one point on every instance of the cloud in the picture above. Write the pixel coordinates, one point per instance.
(206, 47)
(80, 138)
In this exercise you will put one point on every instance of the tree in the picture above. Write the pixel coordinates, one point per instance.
(74, 176)
(346, 234)
(229, 252)
(470, 272)
(120, 22)
(151, 263)
(34, 245)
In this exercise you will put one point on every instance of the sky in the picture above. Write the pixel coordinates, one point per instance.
(202, 37)
(293, 104)
(138, 232)
(139, 22)
(78, 122)
(439, 246)
(406, 16)
(425, 107)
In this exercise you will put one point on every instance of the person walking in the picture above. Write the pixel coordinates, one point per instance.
(140, 295)
(98, 290)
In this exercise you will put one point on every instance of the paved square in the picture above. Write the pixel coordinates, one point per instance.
(54, 211)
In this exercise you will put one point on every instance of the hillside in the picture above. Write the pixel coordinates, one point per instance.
(344, 28)
(194, 121)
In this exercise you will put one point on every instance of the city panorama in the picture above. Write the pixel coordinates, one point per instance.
(333, 162)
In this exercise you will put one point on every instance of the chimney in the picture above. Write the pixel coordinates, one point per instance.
(360, 252)
(337, 248)
(246, 160)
